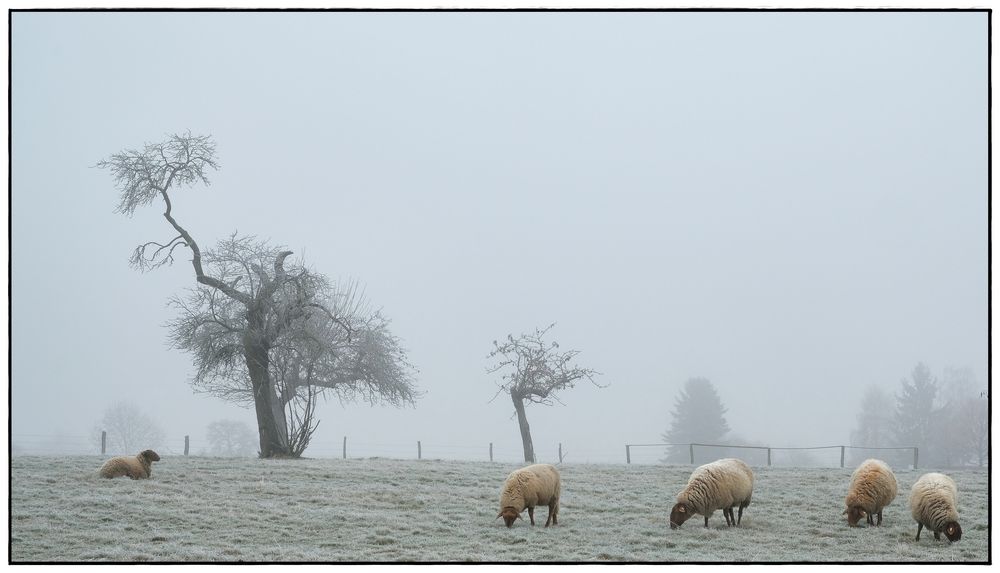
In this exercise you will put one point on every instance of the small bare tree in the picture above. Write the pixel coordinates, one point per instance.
(129, 430)
(533, 372)
(263, 330)
(230, 438)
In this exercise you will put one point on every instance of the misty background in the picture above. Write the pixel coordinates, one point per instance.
(791, 205)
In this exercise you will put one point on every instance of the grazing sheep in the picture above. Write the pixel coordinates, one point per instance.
(137, 467)
(873, 486)
(722, 484)
(527, 487)
(933, 503)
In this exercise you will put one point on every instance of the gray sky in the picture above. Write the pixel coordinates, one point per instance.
(791, 205)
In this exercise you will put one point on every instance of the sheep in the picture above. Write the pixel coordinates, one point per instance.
(933, 503)
(137, 467)
(722, 484)
(527, 487)
(873, 486)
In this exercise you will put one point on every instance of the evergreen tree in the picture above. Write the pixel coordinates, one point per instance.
(697, 418)
(915, 413)
(874, 423)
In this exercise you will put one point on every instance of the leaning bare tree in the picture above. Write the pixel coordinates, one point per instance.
(263, 330)
(533, 371)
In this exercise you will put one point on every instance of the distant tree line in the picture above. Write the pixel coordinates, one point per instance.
(947, 418)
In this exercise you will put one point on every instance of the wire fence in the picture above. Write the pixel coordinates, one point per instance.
(506, 452)
(806, 456)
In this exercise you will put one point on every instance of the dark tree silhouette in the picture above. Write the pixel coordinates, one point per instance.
(534, 371)
(698, 417)
(263, 330)
(915, 415)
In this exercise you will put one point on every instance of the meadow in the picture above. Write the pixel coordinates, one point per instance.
(377, 509)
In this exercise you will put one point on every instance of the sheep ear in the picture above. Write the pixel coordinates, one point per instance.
(499, 515)
(845, 512)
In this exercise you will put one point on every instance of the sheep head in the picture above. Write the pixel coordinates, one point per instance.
(854, 515)
(953, 531)
(150, 456)
(509, 514)
(679, 514)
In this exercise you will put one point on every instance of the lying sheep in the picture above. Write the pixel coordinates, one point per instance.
(873, 486)
(527, 487)
(722, 484)
(933, 503)
(137, 467)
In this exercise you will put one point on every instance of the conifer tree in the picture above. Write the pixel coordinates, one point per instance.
(698, 417)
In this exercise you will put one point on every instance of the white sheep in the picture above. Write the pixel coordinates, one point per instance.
(873, 486)
(933, 503)
(135, 467)
(722, 484)
(527, 487)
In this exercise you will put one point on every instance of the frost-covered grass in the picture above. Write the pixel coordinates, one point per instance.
(212, 509)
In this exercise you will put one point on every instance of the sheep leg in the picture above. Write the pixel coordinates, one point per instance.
(531, 515)
(871, 520)
(728, 512)
(552, 515)
(937, 535)
(706, 521)
(740, 517)
(879, 517)
(919, 527)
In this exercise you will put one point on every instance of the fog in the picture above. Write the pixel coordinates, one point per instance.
(792, 205)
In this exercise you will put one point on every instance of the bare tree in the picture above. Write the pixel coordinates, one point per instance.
(263, 330)
(230, 438)
(534, 371)
(128, 429)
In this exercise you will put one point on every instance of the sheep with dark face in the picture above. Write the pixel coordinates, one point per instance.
(933, 504)
(722, 484)
(873, 486)
(135, 467)
(529, 487)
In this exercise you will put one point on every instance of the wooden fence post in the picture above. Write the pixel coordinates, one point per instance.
(841, 456)
(187, 444)
(915, 449)
(628, 454)
(345, 447)
(418, 450)
(769, 457)
(560, 452)
(491, 451)
(104, 441)
(692, 454)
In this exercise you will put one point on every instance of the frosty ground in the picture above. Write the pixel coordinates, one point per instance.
(221, 509)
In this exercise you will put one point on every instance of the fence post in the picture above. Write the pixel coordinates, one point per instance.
(841, 456)
(560, 452)
(345, 447)
(187, 444)
(915, 450)
(104, 441)
(628, 454)
(768, 457)
(692, 453)
(418, 450)
(491, 451)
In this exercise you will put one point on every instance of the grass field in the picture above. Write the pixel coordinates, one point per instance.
(214, 509)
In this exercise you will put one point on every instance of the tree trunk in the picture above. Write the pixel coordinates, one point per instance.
(273, 442)
(522, 422)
